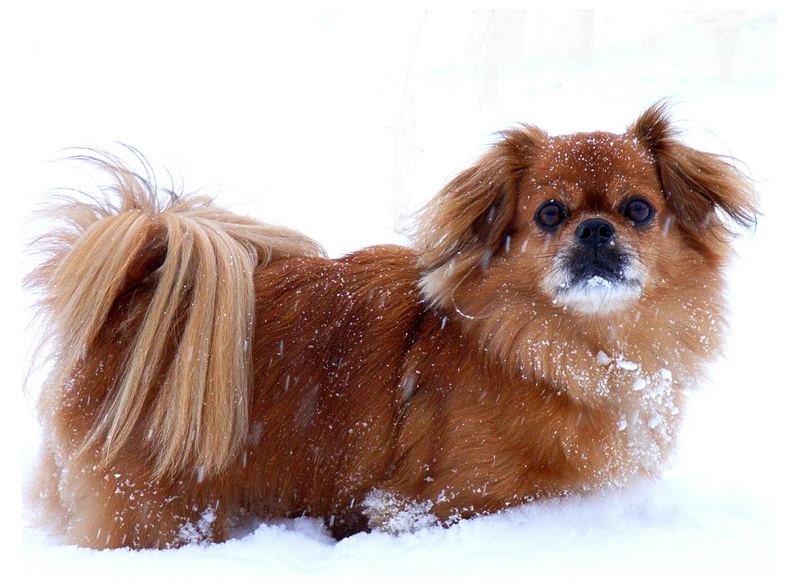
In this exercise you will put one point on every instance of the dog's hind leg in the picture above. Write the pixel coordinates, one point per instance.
(115, 508)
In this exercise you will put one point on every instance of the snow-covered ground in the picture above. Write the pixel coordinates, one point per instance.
(341, 124)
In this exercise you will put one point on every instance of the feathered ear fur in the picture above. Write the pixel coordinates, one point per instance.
(467, 222)
(702, 189)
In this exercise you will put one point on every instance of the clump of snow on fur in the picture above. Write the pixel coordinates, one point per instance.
(603, 359)
(395, 514)
(627, 364)
(598, 281)
(199, 532)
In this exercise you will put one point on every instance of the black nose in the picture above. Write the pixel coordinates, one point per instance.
(595, 233)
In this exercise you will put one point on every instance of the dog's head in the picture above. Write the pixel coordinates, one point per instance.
(591, 222)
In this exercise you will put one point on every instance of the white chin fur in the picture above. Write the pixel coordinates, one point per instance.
(597, 296)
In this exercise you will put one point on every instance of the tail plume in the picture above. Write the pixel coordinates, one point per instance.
(199, 261)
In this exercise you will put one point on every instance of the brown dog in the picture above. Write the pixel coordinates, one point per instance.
(562, 294)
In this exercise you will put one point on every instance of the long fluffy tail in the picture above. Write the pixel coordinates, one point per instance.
(198, 261)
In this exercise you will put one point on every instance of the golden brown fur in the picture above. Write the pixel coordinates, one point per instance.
(206, 365)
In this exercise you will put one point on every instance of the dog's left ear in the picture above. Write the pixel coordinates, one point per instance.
(701, 189)
(466, 224)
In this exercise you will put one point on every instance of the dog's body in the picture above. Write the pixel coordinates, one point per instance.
(499, 361)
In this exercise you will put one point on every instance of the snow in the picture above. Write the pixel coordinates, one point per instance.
(603, 359)
(649, 526)
(201, 531)
(341, 124)
(599, 282)
(627, 364)
(403, 516)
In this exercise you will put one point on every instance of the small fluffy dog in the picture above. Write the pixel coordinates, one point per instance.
(562, 294)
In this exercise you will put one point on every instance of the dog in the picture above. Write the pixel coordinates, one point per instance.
(561, 296)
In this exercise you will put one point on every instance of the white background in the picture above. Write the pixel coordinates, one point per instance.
(341, 122)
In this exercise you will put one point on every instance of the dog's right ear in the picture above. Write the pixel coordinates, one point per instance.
(466, 224)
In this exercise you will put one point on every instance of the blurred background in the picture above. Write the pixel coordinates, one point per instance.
(321, 118)
(342, 122)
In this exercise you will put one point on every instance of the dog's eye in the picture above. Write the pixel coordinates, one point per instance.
(638, 210)
(550, 214)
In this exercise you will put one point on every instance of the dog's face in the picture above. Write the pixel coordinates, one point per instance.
(591, 211)
(592, 223)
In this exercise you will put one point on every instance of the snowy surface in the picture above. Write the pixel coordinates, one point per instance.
(341, 124)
